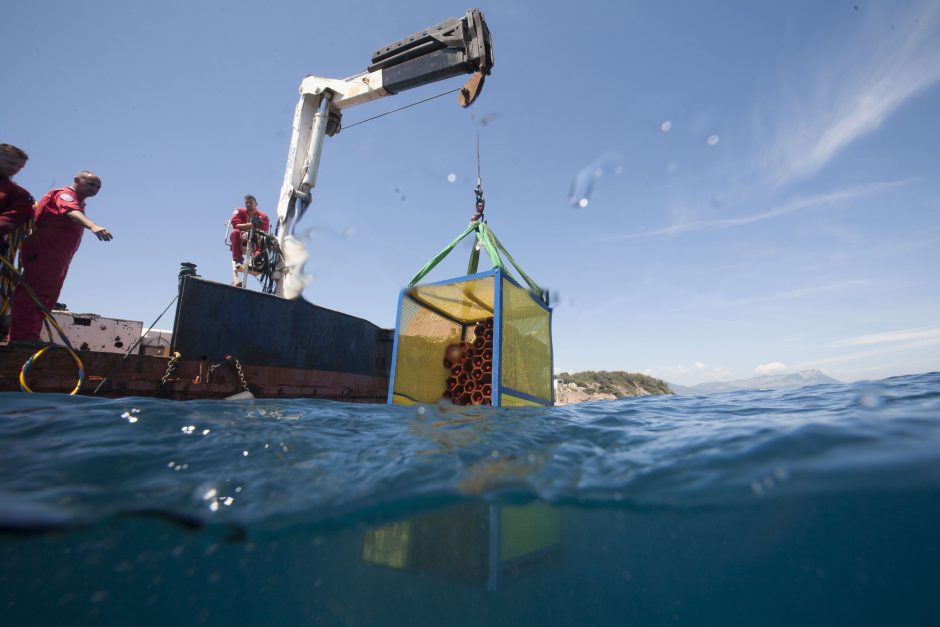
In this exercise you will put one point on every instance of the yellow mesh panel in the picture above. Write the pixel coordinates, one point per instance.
(467, 301)
(527, 344)
(388, 545)
(528, 529)
(514, 401)
(398, 399)
(419, 364)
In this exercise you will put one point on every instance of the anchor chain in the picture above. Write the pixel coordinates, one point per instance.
(170, 369)
(241, 374)
(232, 361)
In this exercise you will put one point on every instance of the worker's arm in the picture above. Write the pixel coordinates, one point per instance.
(100, 232)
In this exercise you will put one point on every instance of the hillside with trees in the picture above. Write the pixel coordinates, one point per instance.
(602, 384)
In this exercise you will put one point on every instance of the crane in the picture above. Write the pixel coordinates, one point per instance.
(450, 48)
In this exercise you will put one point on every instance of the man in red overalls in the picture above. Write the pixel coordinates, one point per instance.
(16, 205)
(48, 251)
(242, 220)
(16, 208)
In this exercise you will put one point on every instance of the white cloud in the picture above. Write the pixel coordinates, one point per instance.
(902, 335)
(773, 367)
(797, 293)
(819, 200)
(920, 344)
(857, 92)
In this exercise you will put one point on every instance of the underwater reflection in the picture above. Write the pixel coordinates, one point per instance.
(473, 543)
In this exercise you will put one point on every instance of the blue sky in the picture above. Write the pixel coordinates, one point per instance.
(754, 185)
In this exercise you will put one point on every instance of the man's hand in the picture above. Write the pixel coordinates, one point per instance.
(102, 233)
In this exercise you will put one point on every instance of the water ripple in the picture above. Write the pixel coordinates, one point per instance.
(66, 460)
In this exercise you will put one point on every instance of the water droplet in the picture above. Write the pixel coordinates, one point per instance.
(871, 397)
(712, 140)
(582, 185)
(451, 178)
(583, 203)
(666, 126)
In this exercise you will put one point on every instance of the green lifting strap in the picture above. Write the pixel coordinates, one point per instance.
(488, 241)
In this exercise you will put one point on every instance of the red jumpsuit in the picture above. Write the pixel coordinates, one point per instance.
(16, 206)
(46, 255)
(240, 216)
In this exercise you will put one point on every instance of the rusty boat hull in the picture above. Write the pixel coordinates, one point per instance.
(229, 339)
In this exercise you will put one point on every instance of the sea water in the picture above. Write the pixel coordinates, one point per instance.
(819, 506)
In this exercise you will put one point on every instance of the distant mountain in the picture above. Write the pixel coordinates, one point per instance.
(789, 381)
(605, 385)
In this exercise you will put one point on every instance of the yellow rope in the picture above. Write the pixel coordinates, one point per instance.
(37, 355)
(54, 323)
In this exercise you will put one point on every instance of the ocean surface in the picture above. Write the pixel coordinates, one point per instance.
(819, 506)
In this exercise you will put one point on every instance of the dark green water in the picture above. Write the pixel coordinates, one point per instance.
(815, 507)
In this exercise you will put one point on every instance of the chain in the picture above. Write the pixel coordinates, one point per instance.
(478, 191)
(241, 375)
(212, 369)
(238, 370)
(170, 368)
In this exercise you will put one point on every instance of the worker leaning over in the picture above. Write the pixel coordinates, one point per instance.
(48, 251)
(16, 205)
(242, 221)
(16, 208)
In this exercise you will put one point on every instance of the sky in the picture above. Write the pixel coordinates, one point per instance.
(710, 191)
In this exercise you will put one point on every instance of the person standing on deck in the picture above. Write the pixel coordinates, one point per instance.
(16, 209)
(16, 205)
(242, 221)
(48, 251)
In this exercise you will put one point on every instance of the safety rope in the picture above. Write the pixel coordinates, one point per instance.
(24, 371)
(374, 117)
(10, 247)
(49, 320)
(131, 350)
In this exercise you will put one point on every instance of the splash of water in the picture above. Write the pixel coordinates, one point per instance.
(295, 258)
